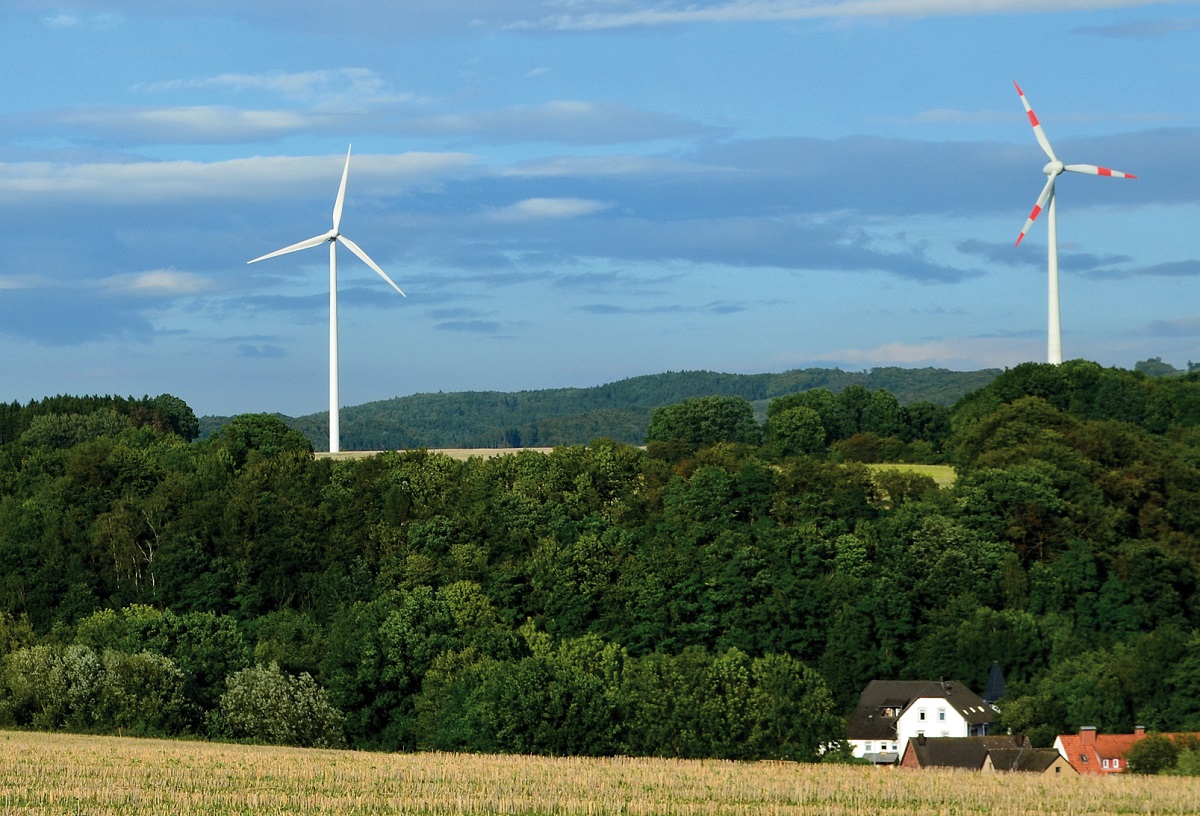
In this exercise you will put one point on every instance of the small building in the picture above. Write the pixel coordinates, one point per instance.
(1090, 752)
(988, 754)
(891, 712)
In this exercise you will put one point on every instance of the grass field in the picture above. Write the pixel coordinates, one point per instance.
(944, 475)
(453, 453)
(67, 774)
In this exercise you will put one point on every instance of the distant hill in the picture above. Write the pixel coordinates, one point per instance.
(618, 410)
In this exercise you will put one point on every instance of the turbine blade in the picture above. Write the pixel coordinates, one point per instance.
(1047, 191)
(316, 240)
(1037, 126)
(357, 250)
(341, 196)
(1097, 171)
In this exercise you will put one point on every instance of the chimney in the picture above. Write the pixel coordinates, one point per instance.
(920, 739)
(1139, 730)
(1019, 739)
(1087, 735)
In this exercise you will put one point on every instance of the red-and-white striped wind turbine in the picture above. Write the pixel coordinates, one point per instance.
(1054, 168)
(333, 237)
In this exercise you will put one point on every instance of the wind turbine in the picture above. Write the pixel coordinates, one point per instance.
(1054, 168)
(333, 238)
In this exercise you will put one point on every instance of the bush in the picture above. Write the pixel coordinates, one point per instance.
(263, 703)
(143, 693)
(1152, 754)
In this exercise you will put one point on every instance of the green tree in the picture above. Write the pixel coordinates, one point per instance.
(1152, 754)
(264, 704)
(795, 431)
(704, 421)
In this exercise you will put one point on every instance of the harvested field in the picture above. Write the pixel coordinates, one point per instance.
(54, 774)
(453, 453)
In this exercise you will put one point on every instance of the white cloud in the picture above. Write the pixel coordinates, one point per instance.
(158, 283)
(540, 209)
(259, 177)
(62, 21)
(568, 121)
(190, 124)
(976, 352)
(599, 166)
(331, 88)
(13, 282)
(786, 10)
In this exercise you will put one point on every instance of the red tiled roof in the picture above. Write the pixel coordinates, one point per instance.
(1099, 753)
(1090, 757)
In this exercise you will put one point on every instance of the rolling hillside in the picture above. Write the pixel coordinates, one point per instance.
(618, 410)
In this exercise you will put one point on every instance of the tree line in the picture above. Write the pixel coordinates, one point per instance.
(725, 591)
(573, 416)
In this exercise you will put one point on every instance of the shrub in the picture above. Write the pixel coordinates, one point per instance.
(143, 693)
(1152, 754)
(265, 704)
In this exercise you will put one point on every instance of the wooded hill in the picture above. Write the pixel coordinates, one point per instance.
(725, 592)
(575, 416)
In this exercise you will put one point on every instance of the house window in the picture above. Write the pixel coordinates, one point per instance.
(921, 714)
(1104, 763)
(1116, 764)
(867, 747)
(1083, 757)
(941, 715)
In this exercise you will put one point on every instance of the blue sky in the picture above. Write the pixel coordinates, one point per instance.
(576, 191)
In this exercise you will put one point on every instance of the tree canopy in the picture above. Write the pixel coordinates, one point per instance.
(726, 592)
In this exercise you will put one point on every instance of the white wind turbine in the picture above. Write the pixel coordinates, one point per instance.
(1054, 168)
(333, 237)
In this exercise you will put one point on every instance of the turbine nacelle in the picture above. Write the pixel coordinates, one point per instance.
(1054, 168)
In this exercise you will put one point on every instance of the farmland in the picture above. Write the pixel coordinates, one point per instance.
(64, 774)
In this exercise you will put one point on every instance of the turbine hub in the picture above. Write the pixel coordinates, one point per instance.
(1053, 168)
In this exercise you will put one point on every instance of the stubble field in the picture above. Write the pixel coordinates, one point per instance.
(70, 774)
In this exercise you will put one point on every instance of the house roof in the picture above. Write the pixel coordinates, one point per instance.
(1034, 760)
(948, 752)
(1087, 751)
(1087, 754)
(1007, 752)
(870, 721)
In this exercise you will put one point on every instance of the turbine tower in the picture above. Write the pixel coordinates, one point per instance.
(333, 238)
(1054, 168)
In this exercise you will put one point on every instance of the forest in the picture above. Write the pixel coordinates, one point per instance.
(575, 416)
(724, 590)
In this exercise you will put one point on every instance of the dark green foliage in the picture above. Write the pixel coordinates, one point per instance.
(574, 416)
(709, 596)
(1152, 754)
(704, 421)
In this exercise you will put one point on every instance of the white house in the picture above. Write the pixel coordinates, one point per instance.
(891, 712)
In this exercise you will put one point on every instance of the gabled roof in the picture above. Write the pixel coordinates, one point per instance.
(870, 721)
(948, 752)
(1007, 753)
(1091, 755)
(1088, 750)
(1035, 760)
